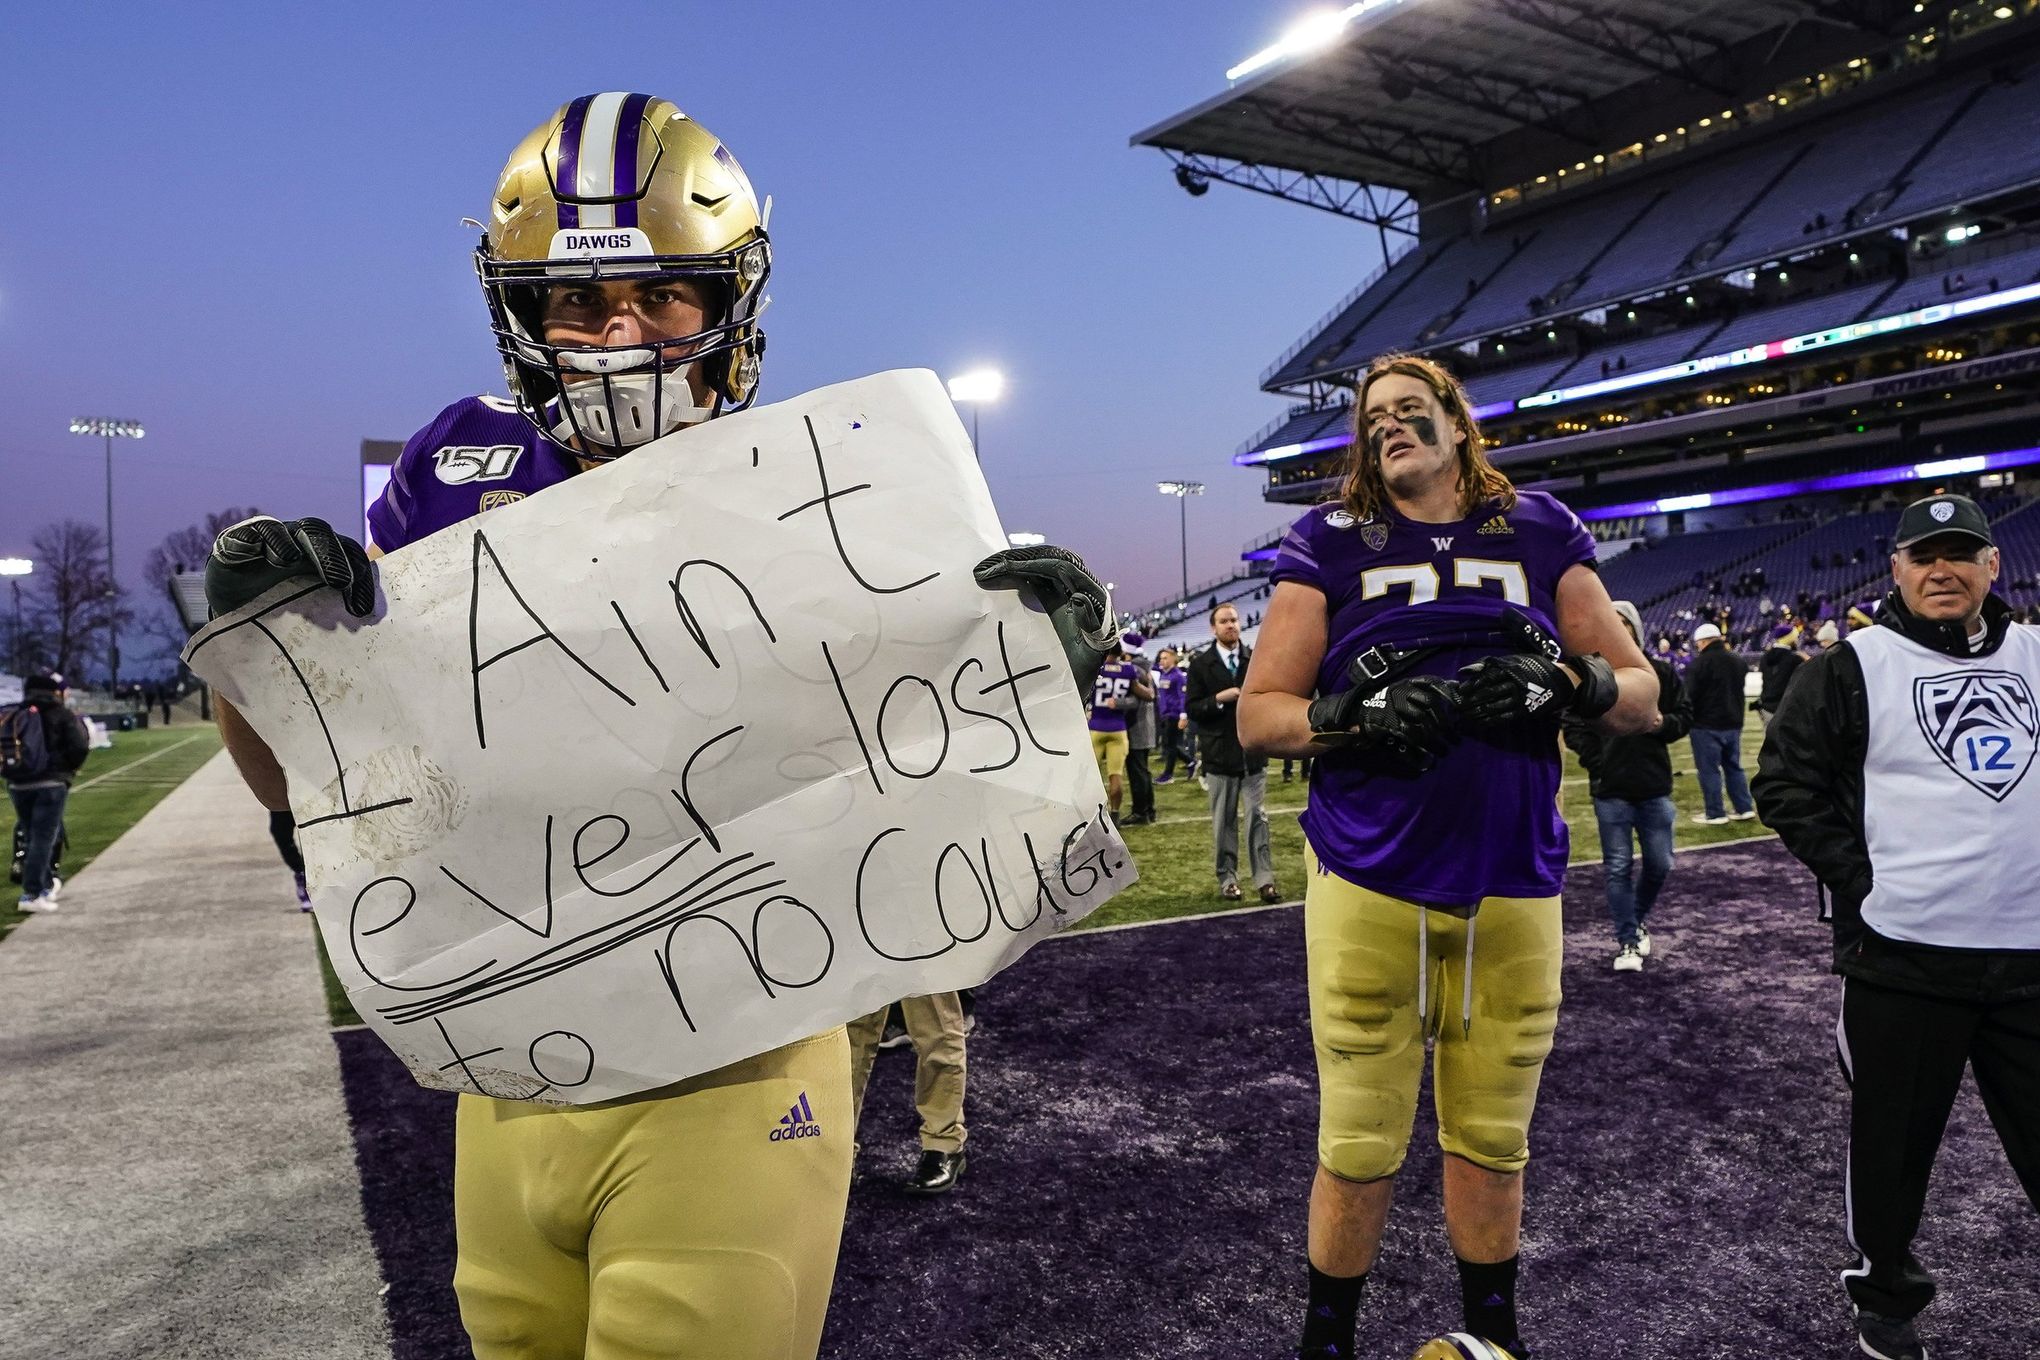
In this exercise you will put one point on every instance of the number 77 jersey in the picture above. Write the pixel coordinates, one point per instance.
(1484, 822)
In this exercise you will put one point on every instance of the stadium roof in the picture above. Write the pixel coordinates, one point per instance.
(1437, 98)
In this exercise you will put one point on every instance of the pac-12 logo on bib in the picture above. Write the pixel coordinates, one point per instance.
(1983, 725)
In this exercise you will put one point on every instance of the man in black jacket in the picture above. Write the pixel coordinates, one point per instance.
(1631, 781)
(1896, 770)
(1779, 661)
(1714, 686)
(39, 794)
(1212, 698)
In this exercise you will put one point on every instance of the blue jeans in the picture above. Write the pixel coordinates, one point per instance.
(1651, 820)
(1715, 750)
(41, 812)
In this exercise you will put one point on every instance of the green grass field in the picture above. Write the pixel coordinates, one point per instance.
(1174, 855)
(113, 791)
(116, 787)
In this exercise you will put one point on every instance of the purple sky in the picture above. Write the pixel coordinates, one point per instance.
(241, 225)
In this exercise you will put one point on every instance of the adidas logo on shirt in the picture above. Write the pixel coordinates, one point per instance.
(798, 1122)
(1498, 525)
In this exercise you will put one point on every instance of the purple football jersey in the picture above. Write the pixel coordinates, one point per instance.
(1114, 683)
(1484, 822)
(476, 455)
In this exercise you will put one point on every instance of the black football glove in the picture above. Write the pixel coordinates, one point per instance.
(251, 557)
(1529, 686)
(1406, 724)
(1075, 600)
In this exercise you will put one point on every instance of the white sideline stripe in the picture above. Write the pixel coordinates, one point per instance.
(80, 788)
(1078, 932)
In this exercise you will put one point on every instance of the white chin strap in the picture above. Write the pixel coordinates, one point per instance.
(619, 413)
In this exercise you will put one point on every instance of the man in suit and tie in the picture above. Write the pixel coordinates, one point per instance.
(1212, 698)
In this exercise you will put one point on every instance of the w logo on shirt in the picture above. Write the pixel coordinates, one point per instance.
(1983, 725)
(798, 1122)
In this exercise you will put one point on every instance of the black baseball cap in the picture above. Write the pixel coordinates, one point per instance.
(1938, 515)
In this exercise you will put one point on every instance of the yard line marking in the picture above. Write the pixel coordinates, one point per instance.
(123, 769)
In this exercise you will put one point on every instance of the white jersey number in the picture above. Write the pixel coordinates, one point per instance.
(1468, 573)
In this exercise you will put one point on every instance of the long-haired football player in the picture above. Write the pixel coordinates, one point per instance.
(624, 265)
(1426, 633)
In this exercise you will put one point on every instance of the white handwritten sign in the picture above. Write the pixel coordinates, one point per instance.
(685, 758)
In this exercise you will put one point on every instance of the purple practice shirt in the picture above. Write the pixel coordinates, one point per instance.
(1484, 822)
(1169, 695)
(1114, 682)
(476, 455)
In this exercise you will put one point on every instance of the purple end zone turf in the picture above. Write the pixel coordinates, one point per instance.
(1142, 1106)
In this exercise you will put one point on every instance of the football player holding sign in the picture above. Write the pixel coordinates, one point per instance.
(1426, 633)
(624, 266)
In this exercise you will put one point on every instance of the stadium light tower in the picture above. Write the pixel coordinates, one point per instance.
(109, 430)
(16, 568)
(1182, 491)
(974, 389)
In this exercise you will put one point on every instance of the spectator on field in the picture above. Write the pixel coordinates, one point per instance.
(1895, 771)
(1235, 781)
(1630, 779)
(42, 745)
(1714, 688)
(937, 1026)
(1780, 659)
(1140, 732)
(1172, 726)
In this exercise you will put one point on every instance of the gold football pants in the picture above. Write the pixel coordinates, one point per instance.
(698, 1222)
(1370, 1012)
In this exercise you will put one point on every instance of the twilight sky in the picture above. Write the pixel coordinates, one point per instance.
(240, 223)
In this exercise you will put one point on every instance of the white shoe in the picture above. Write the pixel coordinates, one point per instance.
(31, 905)
(1749, 816)
(1643, 941)
(1702, 819)
(56, 888)
(1630, 960)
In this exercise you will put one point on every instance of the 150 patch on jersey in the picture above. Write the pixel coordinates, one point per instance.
(1983, 725)
(459, 464)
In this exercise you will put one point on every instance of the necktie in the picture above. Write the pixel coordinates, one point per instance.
(1232, 665)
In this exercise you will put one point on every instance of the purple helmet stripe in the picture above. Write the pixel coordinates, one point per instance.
(624, 178)
(567, 173)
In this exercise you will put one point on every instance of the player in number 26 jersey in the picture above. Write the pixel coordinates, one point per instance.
(1114, 695)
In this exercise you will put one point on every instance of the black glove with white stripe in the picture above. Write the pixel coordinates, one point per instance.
(1406, 724)
(251, 557)
(1530, 686)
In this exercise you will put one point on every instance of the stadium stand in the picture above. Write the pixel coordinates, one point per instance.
(1795, 266)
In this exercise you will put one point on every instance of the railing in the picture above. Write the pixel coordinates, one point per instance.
(1202, 590)
(1260, 436)
(1311, 336)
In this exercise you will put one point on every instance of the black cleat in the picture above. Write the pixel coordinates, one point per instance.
(1888, 1338)
(937, 1174)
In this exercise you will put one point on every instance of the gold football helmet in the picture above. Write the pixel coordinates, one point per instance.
(625, 187)
(1459, 1346)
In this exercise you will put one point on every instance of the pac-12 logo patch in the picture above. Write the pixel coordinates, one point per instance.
(459, 464)
(1374, 534)
(496, 500)
(1982, 724)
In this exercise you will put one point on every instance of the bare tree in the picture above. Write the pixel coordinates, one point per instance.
(181, 550)
(73, 601)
